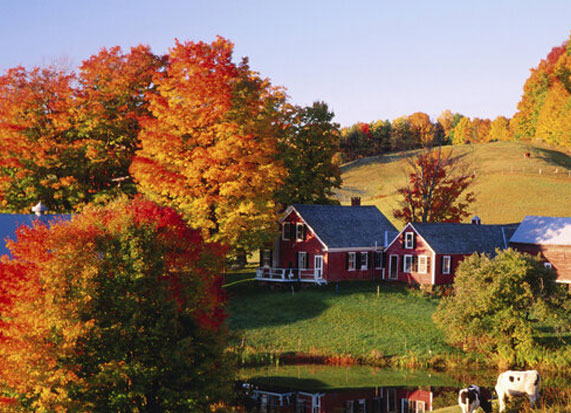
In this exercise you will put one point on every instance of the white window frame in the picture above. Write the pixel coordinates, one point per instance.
(266, 256)
(409, 240)
(380, 261)
(547, 264)
(299, 231)
(446, 264)
(407, 264)
(364, 260)
(422, 264)
(286, 234)
(302, 258)
(352, 261)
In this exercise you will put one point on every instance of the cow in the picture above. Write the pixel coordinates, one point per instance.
(518, 383)
(473, 397)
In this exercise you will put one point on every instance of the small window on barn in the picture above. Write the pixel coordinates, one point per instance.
(378, 260)
(422, 264)
(364, 260)
(266, 258)
(299, 232)
(407, 263)
(302, 260)
(446, 264)
(409, 240)
(547, 265)
(286, 231)
(351, 261)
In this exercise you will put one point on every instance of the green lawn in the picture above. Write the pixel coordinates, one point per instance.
(508, 186)
(352, 320)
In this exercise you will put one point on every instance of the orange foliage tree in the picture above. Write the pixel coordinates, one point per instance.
(116, 310)
(210, 147)
(437, 190)
(67, 139)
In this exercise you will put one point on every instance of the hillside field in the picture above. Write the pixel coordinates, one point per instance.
(509, 184)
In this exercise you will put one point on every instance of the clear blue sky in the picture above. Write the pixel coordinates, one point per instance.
(368, 60)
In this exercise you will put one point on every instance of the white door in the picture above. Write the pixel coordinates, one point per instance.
(318, 265)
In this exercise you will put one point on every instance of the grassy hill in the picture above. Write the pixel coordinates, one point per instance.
(509, 185)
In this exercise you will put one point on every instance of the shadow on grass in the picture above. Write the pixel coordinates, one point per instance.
(553, 157)
(252, 305)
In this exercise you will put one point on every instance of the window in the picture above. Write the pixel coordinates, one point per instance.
(413, 406)
(547, 265)
(351, 261)
(364, 260)
(302, 260)
(299, 232)
(422, 264)
(286, 231)
(407, 263)
(267, 258)
(409, 240)
(446, 264)
(378, 260)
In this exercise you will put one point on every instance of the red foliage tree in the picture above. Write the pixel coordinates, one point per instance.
(118, 310)
(436, 190)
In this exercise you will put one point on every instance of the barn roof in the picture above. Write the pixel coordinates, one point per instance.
(455, 238)
(543, 231)
(10, 222)
(339, 226)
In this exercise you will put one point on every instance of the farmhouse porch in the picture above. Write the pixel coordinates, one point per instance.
(289, 275)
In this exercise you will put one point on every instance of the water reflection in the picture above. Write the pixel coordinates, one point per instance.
(368, 400)
(311, 389)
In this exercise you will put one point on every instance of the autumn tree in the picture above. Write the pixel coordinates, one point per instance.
(209, 148)
(38, 155)
(68, 139)
(448, 121)
(497, 305)
(307, 151)
(113, 93)
(437, 189)
(464, 132)
(500, 129)
(422, 128)
(119, 309)
(543, 111)
(401, 136)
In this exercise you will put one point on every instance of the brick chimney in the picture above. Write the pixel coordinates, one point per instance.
(355, 201)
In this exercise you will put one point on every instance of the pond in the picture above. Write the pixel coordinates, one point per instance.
(360, 389)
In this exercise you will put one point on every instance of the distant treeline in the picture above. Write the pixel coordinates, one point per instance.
(544, 114)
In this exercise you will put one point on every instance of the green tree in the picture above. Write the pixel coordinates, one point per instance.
(307, 153)
(496, 305)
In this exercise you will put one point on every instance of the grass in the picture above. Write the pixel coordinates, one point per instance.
(508, 184)
(348, 319)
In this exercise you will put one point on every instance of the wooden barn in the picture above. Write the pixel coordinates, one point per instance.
(325, 243)
(551, 238)
(429, 253)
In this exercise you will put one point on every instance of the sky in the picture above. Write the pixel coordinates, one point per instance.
(368, 60)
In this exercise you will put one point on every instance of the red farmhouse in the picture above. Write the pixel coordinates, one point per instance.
(429, 253)
(551, 238)
(325, 243)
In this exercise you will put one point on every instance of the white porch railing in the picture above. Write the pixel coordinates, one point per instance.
(288, 275)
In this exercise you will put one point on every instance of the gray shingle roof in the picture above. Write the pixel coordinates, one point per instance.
(347, 226)
(10, 222)
(543, 231)
(453, 238)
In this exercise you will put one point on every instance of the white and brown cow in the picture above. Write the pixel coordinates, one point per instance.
(473, 397)
(518, 383)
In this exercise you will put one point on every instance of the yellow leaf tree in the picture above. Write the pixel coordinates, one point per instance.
(209, 148)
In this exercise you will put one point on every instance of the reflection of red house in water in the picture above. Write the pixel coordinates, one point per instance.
(370, 400)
